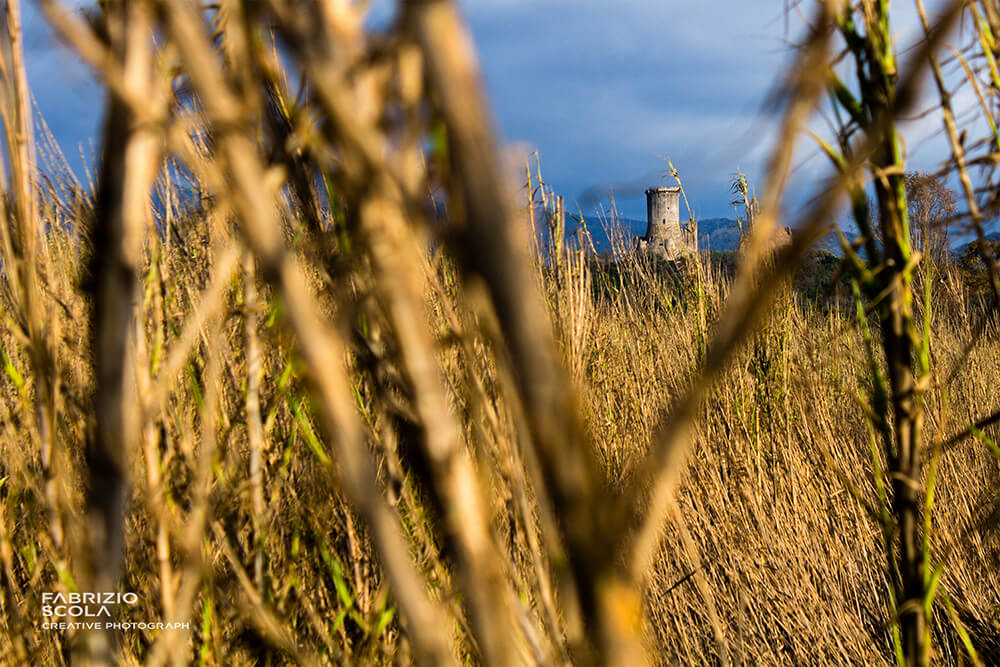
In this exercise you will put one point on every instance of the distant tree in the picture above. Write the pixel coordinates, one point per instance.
(931, 204)
(975, 270)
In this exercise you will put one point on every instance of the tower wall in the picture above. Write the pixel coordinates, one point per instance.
(663, 226)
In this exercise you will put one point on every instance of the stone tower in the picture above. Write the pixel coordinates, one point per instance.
(664, 235)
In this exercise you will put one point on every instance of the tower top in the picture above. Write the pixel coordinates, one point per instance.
(663, 189)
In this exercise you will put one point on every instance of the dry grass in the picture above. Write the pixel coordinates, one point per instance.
(358, 416)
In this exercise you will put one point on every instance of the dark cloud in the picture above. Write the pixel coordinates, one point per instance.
(608, 90)
(593, 196)
(605, 91)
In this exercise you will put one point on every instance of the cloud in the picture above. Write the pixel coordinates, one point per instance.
(593, 195)
(604, 91)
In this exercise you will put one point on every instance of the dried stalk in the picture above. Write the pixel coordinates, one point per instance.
(958, 154)
(491, 250)
(129, 162)
(320, 345)
(150, 434)
(255, 428)
(21, 152)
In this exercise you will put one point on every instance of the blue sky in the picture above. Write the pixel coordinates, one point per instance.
(606, 91)
(603, 90)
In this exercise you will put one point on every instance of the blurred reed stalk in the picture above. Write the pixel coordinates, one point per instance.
(508, 418)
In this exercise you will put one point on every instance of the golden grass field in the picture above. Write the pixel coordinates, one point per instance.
(323, 399)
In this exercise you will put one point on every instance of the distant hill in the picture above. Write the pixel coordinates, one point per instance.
(715, 234)
(720, 234)
(723, 235)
